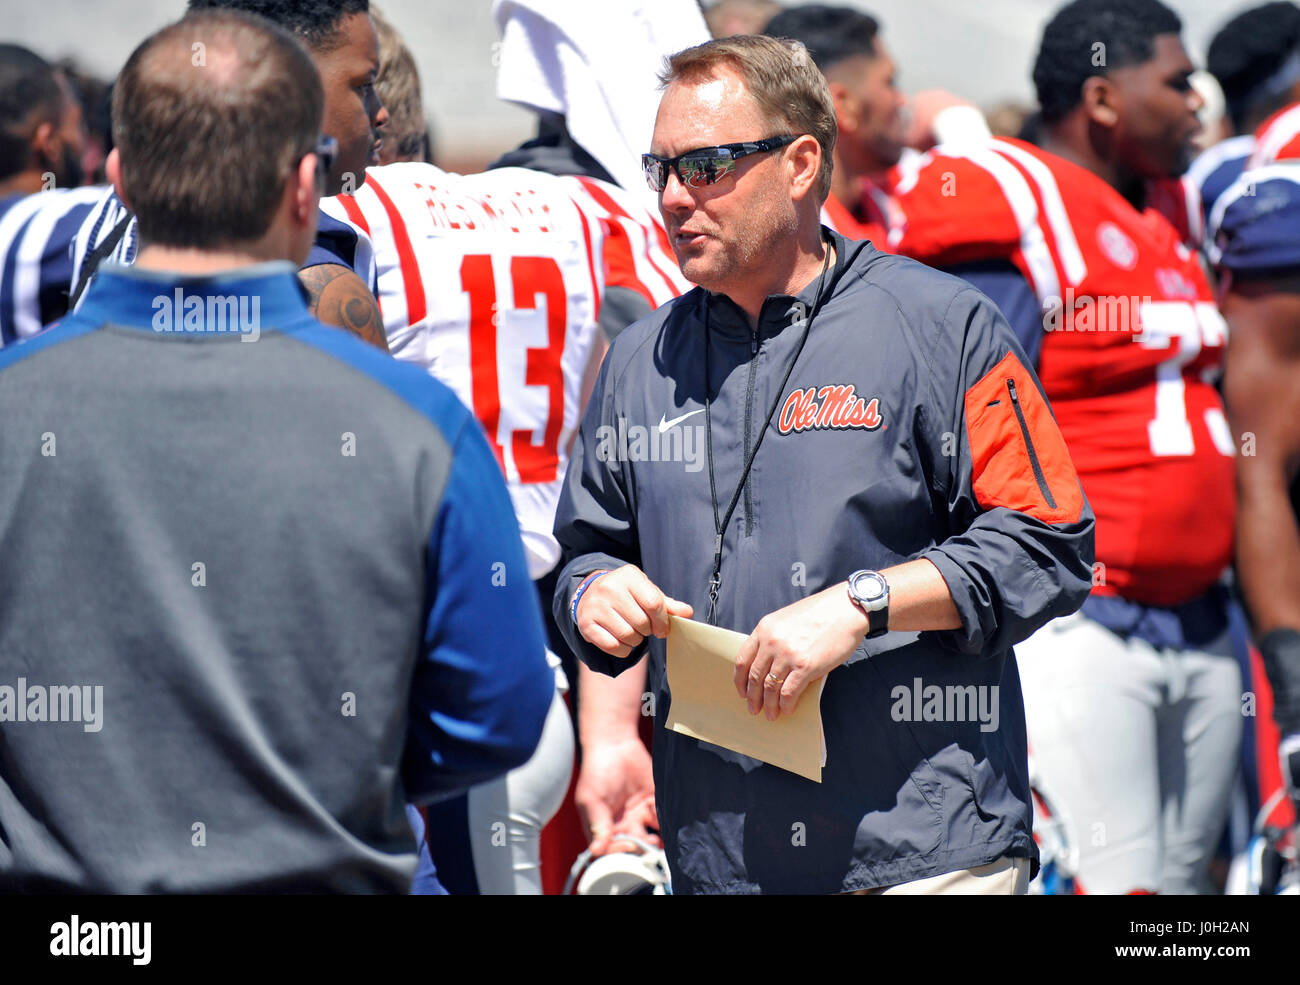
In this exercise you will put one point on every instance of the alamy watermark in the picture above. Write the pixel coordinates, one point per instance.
(669, 441)
(56, 703)
(922, 702)
(102, 938)
(196, 314)
(1110, 313)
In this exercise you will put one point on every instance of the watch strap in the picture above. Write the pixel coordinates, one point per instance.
(878, 622)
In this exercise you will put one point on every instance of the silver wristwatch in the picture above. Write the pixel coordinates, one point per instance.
(870, 593)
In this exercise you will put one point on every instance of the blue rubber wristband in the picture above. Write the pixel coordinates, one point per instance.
(586, 583)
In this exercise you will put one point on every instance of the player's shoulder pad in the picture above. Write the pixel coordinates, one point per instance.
(1254, 222)
(962, 203)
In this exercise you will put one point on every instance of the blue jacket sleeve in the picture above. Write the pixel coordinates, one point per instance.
(1020, 548)
(482, 686)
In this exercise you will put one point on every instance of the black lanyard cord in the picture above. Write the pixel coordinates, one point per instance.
(720, 525)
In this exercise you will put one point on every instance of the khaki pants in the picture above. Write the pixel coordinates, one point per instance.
(1005, 877)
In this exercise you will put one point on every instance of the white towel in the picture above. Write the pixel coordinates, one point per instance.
(596, 63)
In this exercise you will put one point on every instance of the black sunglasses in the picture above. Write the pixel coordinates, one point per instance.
(705, 165)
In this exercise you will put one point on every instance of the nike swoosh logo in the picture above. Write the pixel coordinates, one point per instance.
(666, 425)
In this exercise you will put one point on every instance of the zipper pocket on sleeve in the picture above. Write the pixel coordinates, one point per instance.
(1039, 477)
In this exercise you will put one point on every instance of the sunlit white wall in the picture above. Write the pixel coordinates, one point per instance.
(982, 49)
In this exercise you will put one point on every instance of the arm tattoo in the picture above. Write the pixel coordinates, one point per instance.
(340, 298)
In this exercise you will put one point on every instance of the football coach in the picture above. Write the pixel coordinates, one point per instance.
(261, 584)
(887, 501)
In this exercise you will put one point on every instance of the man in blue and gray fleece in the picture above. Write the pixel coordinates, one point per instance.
(887, 505)
(260, 584)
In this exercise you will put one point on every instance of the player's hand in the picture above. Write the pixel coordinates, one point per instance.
(622, 608)
(797, 646)
(615, 795)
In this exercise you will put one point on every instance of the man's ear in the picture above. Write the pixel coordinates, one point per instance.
(45, 152)
(306, 194)
(846, 106)
(805, 161)
(113, 171)
(1100, 100)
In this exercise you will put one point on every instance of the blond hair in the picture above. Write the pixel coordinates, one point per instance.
(398, 86)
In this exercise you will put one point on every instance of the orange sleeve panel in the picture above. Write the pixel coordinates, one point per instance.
(1018, 458)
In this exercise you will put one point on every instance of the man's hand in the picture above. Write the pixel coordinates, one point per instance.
(622, 608)
(616, 795)
(339, 297)
(795, 646)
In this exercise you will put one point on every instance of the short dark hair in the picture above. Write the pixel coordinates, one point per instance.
(29, 95)
(315, 22)
(96, 99)
(1247, 51)
(1123, 32)
(206, 148)
(831, 34)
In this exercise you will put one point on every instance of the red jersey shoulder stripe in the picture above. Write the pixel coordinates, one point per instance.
(354, 213)
(413, 285)
(656, 234)
(1278, 138)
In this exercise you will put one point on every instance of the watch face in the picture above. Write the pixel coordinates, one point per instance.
(869, 587)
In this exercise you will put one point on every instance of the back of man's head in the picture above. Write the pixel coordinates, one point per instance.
(1094, 37)
(314, 22)
(29, 96)
(209, 116)
(831, 34)
(1256, 58)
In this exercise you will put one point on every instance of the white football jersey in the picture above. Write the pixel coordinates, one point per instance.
(493, 283)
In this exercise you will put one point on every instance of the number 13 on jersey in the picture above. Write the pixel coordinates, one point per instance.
(504, 319)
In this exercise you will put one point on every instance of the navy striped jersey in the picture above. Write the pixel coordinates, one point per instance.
(1218, 166)
(336, 242)
(1254, 222)
(36, 237)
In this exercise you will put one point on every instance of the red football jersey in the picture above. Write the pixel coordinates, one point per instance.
(871, 217)
(1133, 344)
(1277, 138)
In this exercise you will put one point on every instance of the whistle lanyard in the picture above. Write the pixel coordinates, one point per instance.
(720, 525)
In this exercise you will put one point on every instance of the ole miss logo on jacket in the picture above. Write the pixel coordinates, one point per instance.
(834, 406)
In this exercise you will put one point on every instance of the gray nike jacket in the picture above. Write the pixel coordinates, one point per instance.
(909, 427)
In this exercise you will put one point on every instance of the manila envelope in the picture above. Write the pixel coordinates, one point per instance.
(705, 705)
